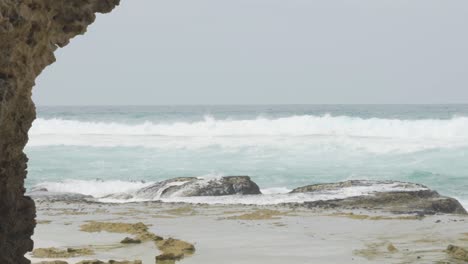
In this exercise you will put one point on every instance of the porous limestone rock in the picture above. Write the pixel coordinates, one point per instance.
(30, 32)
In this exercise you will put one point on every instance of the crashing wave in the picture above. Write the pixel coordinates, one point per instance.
(303, 125)
(295, 132)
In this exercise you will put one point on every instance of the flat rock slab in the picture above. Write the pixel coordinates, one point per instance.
(397, 197)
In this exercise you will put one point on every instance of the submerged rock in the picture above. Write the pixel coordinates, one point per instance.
(140, 230)
(52, 262)
(109, 262)
(129, 240)
(458, 252)
(173, 249)
(190, 186)
(119, 196)
(261, 214)
(167, 258)
(61, 253)
(392, 196)
(391, 248)
(44, 195)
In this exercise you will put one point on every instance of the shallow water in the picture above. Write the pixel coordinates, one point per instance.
(278, 146)
(291, 236)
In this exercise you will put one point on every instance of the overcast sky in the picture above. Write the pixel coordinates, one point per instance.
(154, 52)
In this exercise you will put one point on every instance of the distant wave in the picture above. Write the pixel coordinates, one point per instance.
(306, 131)
(305, 125)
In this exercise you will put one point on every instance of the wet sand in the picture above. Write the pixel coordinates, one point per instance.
(252, 234)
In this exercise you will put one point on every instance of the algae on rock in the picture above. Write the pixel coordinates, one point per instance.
(172, 249)
(61, 253)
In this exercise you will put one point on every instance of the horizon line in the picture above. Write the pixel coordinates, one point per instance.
(243, 104)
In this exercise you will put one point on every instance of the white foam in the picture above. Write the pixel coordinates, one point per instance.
(279, 198)
(311, 132)
(464, 203)
(305, 125)
(95, 188)
(275, 190)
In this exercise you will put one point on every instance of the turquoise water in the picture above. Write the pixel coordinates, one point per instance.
(278, 146)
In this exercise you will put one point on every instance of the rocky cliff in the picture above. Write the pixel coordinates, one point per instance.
(30, 32)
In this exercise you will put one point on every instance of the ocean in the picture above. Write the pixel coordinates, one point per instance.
(102, 150)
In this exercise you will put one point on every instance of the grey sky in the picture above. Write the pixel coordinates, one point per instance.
(266, 51)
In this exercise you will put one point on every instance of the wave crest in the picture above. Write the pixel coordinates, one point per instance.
(305, 125)
(306, 131)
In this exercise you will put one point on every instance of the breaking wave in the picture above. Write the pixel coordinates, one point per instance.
(304, 125)
(318, 132)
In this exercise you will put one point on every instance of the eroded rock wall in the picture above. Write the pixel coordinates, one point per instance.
(30, 32)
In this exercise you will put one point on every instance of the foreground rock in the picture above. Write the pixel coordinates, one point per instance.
(191, 186)
(396, 197)
(140, 230)
(172, 249)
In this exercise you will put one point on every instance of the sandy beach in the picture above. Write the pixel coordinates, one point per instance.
(252, 234)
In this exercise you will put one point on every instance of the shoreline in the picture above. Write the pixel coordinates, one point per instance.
(375, 222)
(390, 196)
(253, 234)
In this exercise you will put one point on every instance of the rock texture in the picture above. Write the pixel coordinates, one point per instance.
(189, 186)
(45, 196)
(61, 253)
(170, 248)
(129, 240)
(458, 252)
(52, 262)
(109, 262)
(397, 197)
(417, 202)
(30, 31)
(335, 186)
